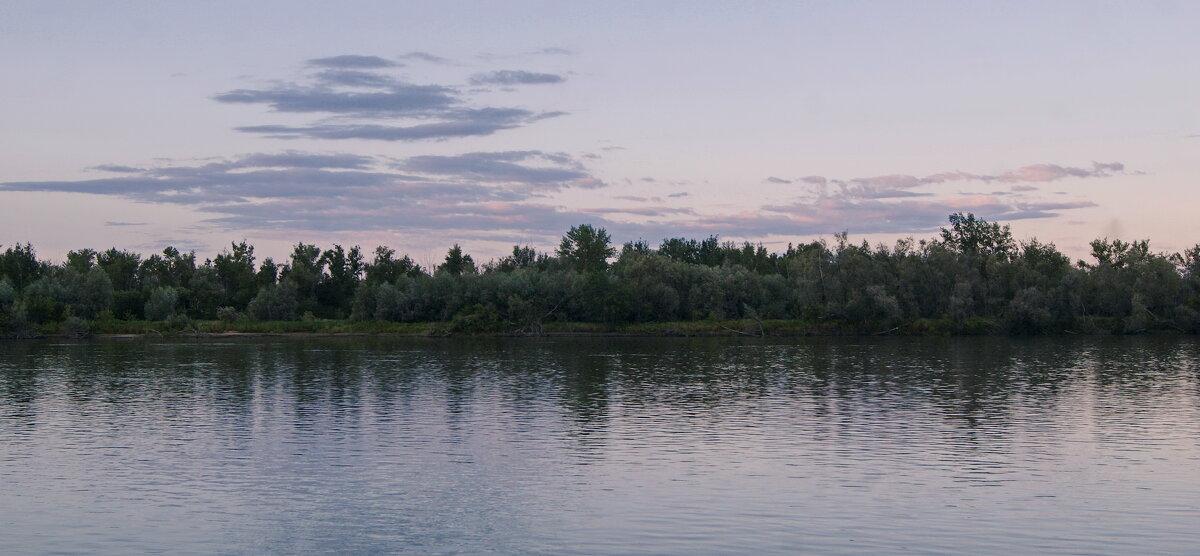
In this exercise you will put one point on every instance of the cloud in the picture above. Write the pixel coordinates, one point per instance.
(553, 51)
(443, 130)
(339, 191)
(882, 187)
(120, 224)
(298, 159)
(894, 203)
(515, 77)
(355, 78)
(353, 61)
(559, 170)
(902, 185)
(652, 211)
(184, 245)
(831, 214)
(117, 168)
(399, 100)
(359, 100)
(773, 179)
(511, 193)
(465, 123)
(425, 57)
(1054, 172)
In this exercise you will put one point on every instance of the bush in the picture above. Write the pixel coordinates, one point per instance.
(178, 321)
(161, 305)
(1026, 314)
(275, 302)
(228, 314)
(476, 319)
(76, 327)
(90, 293)
(12, 315)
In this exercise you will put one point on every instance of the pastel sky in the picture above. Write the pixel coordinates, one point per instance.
(418, 125)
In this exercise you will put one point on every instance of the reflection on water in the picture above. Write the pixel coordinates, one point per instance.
(601, 446)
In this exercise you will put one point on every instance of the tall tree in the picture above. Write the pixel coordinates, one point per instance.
(586, 248)
(235, 268)
(457, 263)
(19, 263)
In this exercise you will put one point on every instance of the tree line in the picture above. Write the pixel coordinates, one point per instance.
(972, 278)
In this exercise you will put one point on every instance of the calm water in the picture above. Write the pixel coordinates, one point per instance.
(592, 446)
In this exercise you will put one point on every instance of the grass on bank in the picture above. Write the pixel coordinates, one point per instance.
(183, 327)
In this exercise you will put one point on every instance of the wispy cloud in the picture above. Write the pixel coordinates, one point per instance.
(360, 99)
(399, 99)
(645, 210)
(512, 192)
(425, 57)
(353, 61)
(902, 185)
(552, 51)
(116, 168)
(829, 214)
(557, 170)
(896, 203)
(338, 191)
(515, 77)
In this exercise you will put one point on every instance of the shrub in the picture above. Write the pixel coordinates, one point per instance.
(228, 314)
(161, 305)
(476, 319)
(76, 327)
(178, 321)
(275, 302)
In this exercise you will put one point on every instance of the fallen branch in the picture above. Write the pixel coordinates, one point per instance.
(736, 331)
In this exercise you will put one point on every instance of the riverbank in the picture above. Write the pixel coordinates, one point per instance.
(714, 328)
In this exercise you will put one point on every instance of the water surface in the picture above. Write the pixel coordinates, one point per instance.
(594, 446)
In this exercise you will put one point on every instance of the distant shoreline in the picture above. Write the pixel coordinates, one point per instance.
(745, 328)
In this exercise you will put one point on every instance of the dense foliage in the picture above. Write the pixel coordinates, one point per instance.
(974, 278)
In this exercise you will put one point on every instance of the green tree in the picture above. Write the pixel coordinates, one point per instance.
(304, 273)
(19, 263)
(277, 302)
(121, 267)
(456, 263)
(267, 275)
(82, 260)
(971, 235)
(336, 288)
(89, 293)
(386, 268)
(235, 270)
(586, 248)
(161, 304)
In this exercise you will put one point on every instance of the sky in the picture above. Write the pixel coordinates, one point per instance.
(420, 125)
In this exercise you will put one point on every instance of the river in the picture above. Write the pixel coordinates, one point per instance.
(601, 446)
